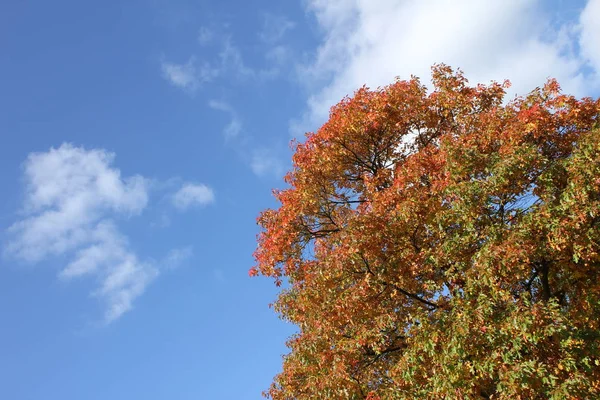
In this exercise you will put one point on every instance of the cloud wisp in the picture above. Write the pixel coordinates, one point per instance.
(275, 27)
(74, 198)
(205, 35)
(176, 257)
(234, 126)
(189, 76)
(229, 63)
(264, 162)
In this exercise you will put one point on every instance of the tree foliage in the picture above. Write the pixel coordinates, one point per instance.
(441, 244)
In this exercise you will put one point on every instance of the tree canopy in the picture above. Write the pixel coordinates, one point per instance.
(441, 244)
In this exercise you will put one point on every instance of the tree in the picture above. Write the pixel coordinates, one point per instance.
(441, 244)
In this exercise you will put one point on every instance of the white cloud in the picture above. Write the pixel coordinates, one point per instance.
(188, 76)
(181, 75)
(191, 195)
(106, 245)
(122, 283)
(590, 34)
(373, 41)
(68, 190)
(72, 195)
(264, 162)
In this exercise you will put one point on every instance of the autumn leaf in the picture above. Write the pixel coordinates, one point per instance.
(441, 244)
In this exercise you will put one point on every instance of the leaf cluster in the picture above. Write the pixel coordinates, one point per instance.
(441, 244)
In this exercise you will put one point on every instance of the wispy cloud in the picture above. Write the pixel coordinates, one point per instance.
(275, 27)
(189, 76)
(176, 257)
(220, 106)
(372, 42)
(205, 35)
(181, 75)
(229, 63)
(234, 126)
(192, 195)
(233, 61)
(264, 162)
(279, 55)
(72, 196)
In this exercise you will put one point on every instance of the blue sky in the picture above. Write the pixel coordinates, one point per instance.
(139, 140)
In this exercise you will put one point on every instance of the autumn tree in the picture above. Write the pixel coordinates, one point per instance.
(441, 244)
